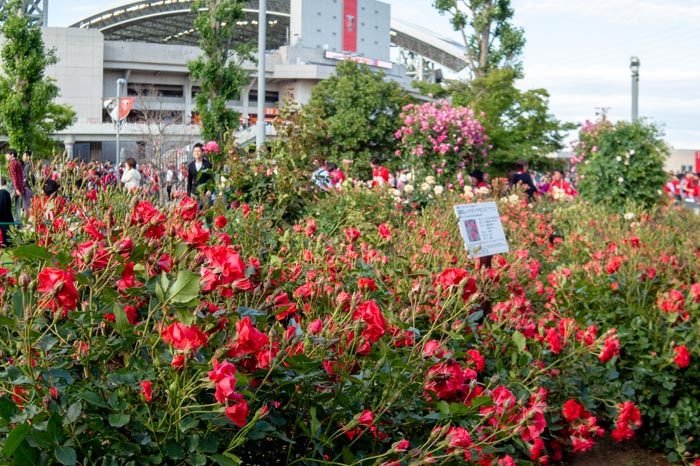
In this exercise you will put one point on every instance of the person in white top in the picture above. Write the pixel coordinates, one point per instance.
(131, 178)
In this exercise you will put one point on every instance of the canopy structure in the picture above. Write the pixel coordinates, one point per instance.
(171, 22)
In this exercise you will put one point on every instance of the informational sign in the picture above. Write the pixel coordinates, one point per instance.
(481, 229)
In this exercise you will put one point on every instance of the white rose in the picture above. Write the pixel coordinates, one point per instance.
(629, 216)
(618, 158)
(408, 188)
(430, 180)
(438, 190)
(620, 180)
(425, 187)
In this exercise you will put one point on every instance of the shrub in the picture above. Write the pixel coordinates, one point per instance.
(620, 164)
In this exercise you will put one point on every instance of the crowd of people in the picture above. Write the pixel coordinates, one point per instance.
(171, 181)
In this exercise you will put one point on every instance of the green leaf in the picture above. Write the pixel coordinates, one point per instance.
(66, 455)
(185, 288)
(174, 450)
(162, 285)
(74, 411)
(16, 436)
(18, 304)
(8, 409)
(227, 459)
(519, 340)
(479, 401)
(25, 455)
(121, 323)
(31, 251)
(93, 398)
(119, 419)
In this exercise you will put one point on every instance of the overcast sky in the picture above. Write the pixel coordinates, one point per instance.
(579, 51)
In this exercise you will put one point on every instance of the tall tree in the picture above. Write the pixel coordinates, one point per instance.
(517, 122)
(219, 69)
(360, 113)
(491, 40)
(28, 113)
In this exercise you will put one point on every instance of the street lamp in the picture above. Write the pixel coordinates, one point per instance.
(120, 83)
(262, 31)
(634, 66)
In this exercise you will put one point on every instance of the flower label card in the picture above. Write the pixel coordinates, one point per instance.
(481, 228)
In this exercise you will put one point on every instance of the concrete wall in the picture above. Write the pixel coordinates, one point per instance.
(79, 71)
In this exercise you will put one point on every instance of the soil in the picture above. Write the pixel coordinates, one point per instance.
(607, 452)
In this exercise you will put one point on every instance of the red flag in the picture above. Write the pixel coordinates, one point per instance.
(123, 109)
(697, 161)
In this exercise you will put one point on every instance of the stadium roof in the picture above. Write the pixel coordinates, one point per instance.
(172, 22)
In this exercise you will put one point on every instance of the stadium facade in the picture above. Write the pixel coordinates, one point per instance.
(148, 44)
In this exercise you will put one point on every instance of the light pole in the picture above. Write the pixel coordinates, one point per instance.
(262, 31)
(634, 66)
(120, 82)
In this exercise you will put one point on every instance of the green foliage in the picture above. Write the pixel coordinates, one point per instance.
(621, 164)
(517, 122)
(218, 69)
(491, 40)
(28, 115)
(360, 112)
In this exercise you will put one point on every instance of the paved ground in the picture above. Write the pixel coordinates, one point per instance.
(610, 453)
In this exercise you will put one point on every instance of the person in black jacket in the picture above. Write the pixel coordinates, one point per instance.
(522, 176)
(198, 171)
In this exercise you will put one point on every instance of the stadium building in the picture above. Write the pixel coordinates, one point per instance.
(145, 47)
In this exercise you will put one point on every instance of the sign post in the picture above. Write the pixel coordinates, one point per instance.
(482, 231)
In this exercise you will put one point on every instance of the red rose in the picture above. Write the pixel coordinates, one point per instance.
(184, 338)
(238, 413)
(682, 358)
(384, 231)
(147, 388)
(220, 221)
(352, 235)
(59, 285)
(366, 418)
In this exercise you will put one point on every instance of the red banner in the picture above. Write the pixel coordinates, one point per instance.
(350, 25)
(125, 105)
(697, 161)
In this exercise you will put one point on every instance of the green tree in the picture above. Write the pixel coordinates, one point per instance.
(219, 69)
(621, 164)
(28, 113)
(360, 113)
(494, 42)
(517, 122)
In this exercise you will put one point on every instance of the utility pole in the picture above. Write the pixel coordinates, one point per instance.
(120, 82)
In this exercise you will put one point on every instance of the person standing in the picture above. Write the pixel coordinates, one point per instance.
(198, 171)
(14, 168)
(131, 178)
(29, 179)
(523, 177)
(380, 174)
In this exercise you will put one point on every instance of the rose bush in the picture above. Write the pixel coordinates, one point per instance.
(439, 140)
(350, 332)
